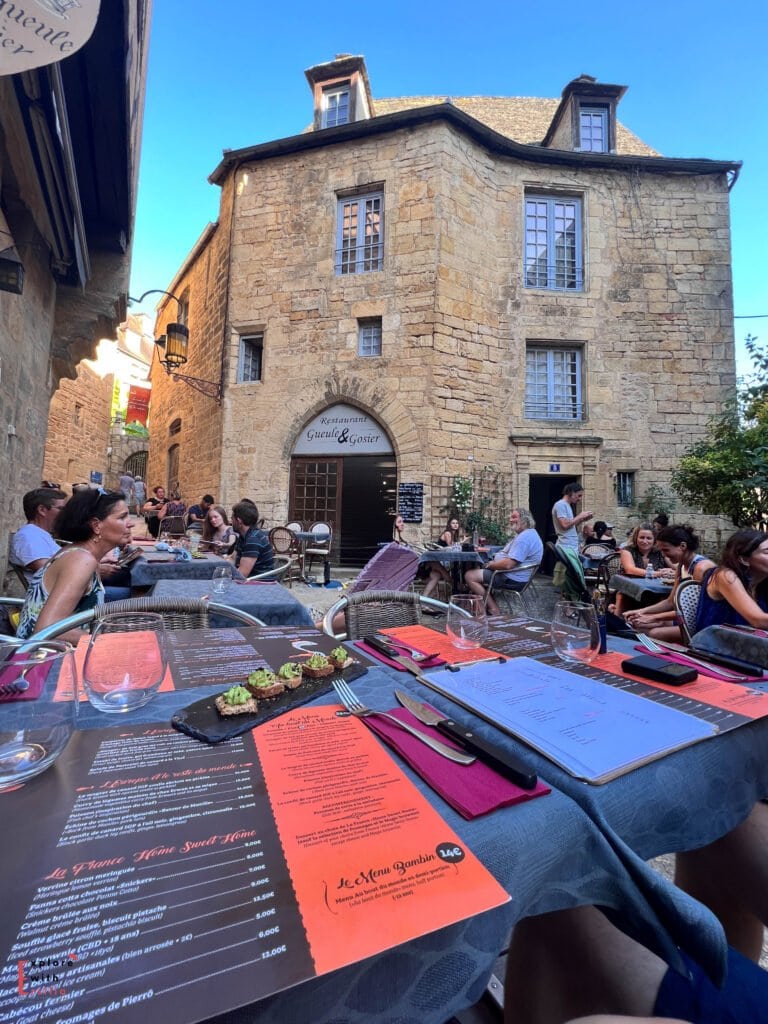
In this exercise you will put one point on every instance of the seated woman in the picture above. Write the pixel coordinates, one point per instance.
(93, 523)
(736, 591)
(218, 535)
(397, 531)
(679, 545)
(603, 534)
(452, 534)
(152, 508)
(637, 556)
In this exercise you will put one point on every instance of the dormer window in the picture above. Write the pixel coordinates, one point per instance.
(335, 106)
(593, 129)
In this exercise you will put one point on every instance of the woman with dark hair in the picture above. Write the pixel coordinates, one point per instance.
(679, 545)
(217, 532)
(661, 522)
(452, 534)
(736, 591)
(93, 522)
(152, 508)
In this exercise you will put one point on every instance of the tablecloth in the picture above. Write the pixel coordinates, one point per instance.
(270, 602)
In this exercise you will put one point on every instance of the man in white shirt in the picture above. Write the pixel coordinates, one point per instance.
(565, 523)
(32, 545)
(524, 548)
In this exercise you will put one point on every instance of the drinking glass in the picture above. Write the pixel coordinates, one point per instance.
(575, 631)
(221, 579)
(467, 625)
(35, 729)
(125, 662)
(194, 543)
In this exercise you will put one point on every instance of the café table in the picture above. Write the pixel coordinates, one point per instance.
(156, 565)
(580, 845)
(641, 589)
(456, 561)
(268, 600)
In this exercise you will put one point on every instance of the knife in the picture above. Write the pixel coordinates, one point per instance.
(742, 668)
(381, 645)
(490, 753)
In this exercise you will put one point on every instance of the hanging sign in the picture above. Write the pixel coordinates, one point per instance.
(138, 405)
(34, 33)
(343, 430)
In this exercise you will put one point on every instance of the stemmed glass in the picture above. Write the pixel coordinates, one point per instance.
(575, 631)
(466, 624)
(125, 662)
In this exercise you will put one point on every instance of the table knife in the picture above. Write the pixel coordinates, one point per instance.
(742, 668)
(497, 757)
(384, 647)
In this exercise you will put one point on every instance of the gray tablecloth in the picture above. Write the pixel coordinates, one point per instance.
(446, 557)
(144, 573)
(640, 589)
(270, 602)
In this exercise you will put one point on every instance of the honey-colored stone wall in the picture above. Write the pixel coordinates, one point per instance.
(654, 319)
(78, 428)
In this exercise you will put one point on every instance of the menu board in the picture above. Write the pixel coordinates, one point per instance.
(410, 502)
(151, 877)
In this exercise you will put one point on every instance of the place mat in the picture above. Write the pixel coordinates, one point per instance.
(35, 677)
(711, 669)
(472, 790)
(434, 662)
(426, 639)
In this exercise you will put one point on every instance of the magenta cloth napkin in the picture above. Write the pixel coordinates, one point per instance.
(371, 653)
(35, 677)
(472, 790)
(710, 670)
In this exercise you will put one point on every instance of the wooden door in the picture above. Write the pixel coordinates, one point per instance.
(315, 492)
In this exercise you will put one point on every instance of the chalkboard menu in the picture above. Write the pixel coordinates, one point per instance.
(410, 502)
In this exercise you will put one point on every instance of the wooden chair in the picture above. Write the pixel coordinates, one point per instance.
(371, 610)
(321, 546)
(686, 599)
(284, 542)
(177, 612)
(502, 591)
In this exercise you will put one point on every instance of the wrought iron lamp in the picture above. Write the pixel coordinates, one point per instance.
(174, 344)
(11, 271)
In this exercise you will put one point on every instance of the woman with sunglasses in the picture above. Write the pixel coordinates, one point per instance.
(92, 523)
(736, 591)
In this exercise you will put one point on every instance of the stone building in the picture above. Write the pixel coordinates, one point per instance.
(69, 150)
(418, 286)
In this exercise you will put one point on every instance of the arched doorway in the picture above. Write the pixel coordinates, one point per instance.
(344, 471)
(136, 464)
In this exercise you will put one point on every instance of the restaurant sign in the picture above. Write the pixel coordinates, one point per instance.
(34, 33)
(343, 430)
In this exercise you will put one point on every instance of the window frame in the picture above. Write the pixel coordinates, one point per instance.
(552, 402)
(366, 324)
(595, 110)
(625, 488)
(255, 339)
(359, 258)
(338, 90)
(551, 202)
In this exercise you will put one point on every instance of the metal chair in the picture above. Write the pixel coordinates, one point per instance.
(371, 610)
(173, 526)
(296, 526)
(575, 585)
(606, 571)
(284, 542)
(595, 552)
(500, 589)
(177, 612)
(277, 573)
(321, 546)
(11, 605)
(686, 600)
(21, 576)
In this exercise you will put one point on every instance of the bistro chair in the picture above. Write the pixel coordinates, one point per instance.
(10, 609)
(277, 573)
(686, 600)
(177, 612)
(321, 546)
(371, 610)
(502, 592)
(173, 526)
(595, 552)
(296, 526)
(284, 542)
(609, 568)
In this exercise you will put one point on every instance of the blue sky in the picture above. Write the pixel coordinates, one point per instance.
(230, 74)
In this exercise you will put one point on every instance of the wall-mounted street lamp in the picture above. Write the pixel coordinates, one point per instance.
(173, 345)
(11, 267)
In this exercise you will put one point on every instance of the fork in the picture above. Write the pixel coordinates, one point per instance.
(651, 645)
(21, 684)
(355, 707)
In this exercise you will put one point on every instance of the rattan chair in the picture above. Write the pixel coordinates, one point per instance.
(371, 610)
(501, 590)
(595, 552)
(284, 542)
(686, 599)
(609, 568)
(177, 612)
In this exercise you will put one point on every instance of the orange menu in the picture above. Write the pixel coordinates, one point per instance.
(372, 864)
(428, 641)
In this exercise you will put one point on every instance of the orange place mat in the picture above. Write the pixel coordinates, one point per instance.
(426, 640)
(738, 698)
(124, 644)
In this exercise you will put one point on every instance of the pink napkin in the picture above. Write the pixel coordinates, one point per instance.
(424, 663)
(711, 669)
(472, 790)
(35, 677)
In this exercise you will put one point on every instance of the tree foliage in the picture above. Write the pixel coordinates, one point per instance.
(726, 473)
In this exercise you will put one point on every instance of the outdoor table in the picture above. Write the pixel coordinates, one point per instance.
(457, 561)
(580, 845)
(145, 570)
(641, 589)
(269, 601)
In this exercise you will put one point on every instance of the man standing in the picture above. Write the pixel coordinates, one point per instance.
(565, 523)
(33, 544)
(126, 486)
(196, 513)
(253, 552)
(524, 548)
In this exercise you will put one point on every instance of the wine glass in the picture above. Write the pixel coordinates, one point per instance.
(221, 579)
(125, 662)
(467, 625)
(34, 727)
(575, 631)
